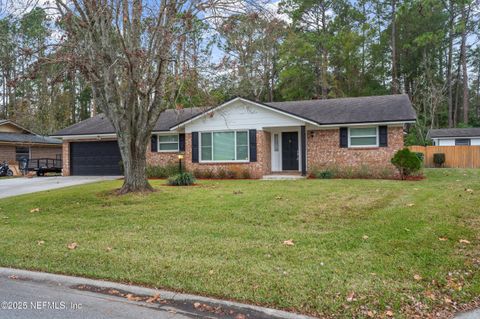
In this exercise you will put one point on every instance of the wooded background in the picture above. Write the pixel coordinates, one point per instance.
(289, 50)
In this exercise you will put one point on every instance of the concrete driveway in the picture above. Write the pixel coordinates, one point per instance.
(22, 185)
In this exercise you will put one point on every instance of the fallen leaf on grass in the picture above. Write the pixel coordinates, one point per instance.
(370, 314)
(108, 249)
(430, 295)
(72, 246)
(447, 300)
(389, 313)
(154, 298)
(454, 284)
(464, 241)
(131, 297)
(40, 242)
(278, 197)
(417, 277)
(410, 204)
(365, 237)
(289, 242)
(442, 238)
(34, 210)
(469, 190)
(351, 296)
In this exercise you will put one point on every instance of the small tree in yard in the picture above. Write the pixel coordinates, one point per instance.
(407, 162)
(127, 50)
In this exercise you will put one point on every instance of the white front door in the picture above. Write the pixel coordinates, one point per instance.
(276, 152)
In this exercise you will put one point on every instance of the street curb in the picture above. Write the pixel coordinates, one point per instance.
(138, 290)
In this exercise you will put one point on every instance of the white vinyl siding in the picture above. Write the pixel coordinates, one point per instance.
(363, 136)
(240, 116)
(168, 143)
(224, 146)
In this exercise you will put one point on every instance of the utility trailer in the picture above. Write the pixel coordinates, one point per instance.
(44, 165)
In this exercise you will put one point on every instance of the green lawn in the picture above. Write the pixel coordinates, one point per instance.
(225, 239)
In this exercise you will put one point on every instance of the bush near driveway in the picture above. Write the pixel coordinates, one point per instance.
(358, 247)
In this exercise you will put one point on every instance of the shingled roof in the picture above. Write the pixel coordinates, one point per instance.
(454, 132)
(27, 138)
(371, 109)
(100, 124)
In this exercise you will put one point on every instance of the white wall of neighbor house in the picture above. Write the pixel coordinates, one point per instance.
(474, 141)
(241, 115)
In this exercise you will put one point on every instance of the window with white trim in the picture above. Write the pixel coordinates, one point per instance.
(363, 136)
(225, 146)
(168, 143)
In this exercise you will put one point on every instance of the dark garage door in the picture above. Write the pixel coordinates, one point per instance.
(95, 158)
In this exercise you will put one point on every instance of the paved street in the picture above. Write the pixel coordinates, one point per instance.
(37, 295)
(475, 314)
(69, 303)
(22, 185)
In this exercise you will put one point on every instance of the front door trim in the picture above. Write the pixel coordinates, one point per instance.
(276, 156)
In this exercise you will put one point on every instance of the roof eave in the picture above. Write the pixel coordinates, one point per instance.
(198, 116)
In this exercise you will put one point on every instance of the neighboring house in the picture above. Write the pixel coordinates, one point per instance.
(455, 136)
(17, 142)
(261, 138)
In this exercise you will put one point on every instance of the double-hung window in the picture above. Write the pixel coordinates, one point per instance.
(363, 136)
(225, 146)
(168, 143)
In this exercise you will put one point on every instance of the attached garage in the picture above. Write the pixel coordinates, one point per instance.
(100, 158)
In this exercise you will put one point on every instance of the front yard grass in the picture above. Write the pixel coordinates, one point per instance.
(361, 247)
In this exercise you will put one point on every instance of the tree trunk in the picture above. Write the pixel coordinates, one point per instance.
(324, 57)
(449, 65)
(134, 164)
(463, 60)
(457, 97)
(394, 49)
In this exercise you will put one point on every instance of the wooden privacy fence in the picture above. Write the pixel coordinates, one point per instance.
(455, 156)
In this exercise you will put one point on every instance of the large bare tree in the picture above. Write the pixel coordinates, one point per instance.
(126, 50)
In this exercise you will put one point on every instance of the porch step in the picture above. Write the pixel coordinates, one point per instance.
(279, 177)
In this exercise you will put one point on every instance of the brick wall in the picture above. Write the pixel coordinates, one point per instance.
(45, 151)
(161, 158)
(7, 153)
(256, 169)
(66, 158)
(324, 151)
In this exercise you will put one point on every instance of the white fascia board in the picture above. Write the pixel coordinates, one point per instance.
(245, 101)
(364, 124)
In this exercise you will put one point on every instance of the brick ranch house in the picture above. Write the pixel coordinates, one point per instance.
(261, 138)
(17, 142)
